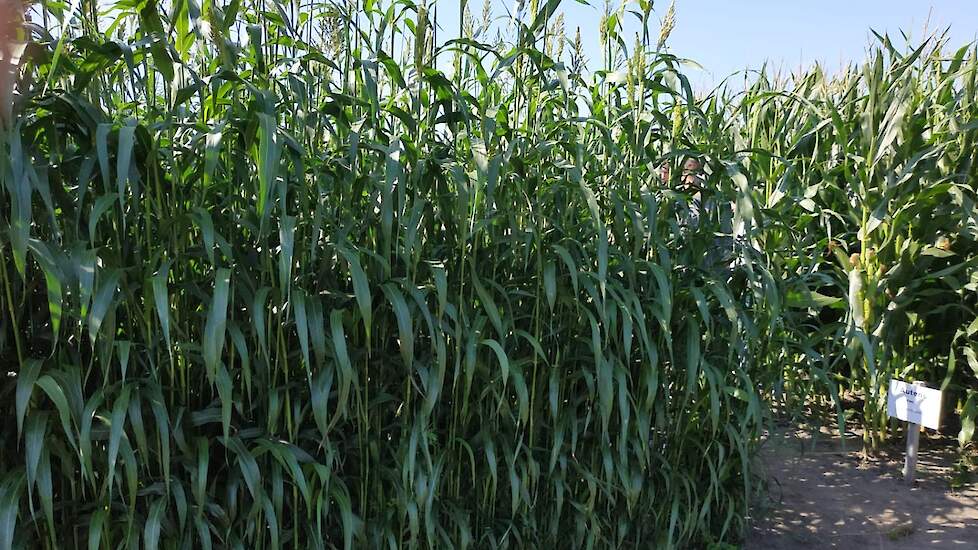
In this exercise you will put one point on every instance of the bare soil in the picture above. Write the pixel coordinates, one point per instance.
(826, 494)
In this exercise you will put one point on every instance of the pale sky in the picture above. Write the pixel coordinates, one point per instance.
(728, 36)
(725, 36)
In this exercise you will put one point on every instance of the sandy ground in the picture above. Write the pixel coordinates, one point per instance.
(822, 495)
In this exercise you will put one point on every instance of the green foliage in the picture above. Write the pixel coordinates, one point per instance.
(871, 177)
(265, 285)
(270, 277)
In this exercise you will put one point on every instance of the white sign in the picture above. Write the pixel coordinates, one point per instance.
(914, 403)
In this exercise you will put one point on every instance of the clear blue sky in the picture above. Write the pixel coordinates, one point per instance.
(725, 36)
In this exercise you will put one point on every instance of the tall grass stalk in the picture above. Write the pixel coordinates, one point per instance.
(268, 284)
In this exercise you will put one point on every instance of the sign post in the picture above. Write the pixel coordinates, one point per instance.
(919, 406)
(913, 441)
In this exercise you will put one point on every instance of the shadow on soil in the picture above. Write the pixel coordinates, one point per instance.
(824, 495)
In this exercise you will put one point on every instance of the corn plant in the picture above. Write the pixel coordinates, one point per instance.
(874, 173)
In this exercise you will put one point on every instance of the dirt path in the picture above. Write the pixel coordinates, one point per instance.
(822, 496)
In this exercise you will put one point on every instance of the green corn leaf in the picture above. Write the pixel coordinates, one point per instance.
(405, 324)
(123, 348)
(102, 205)
(241, 347)
(200, 474)
(969, 414)
(216, 325)
(116, 431)
(249, 468)
(102, 151)
(37, 427)
(132, 476)
(501, 356)
(343, 360)
(287, 238)
(161, 298)
(127, 137)
(271, 518)
(361, 288)
(85, 433)
(52, 278)
(104, 298)
(95, 528)
(151, 531)
(570, 264)
(10, 487)
(203, 533)
(57, 396)
(550, 283)
(258, 318)
(84, 263)
(302, 326)
(317, 329)
(488, 304)
(342, 497)
(25, 386)
(692, 354)
(163, 433)
(320, 387)
(522, 395)
(212, 151)
(267, 160)
(203, 219)
(225, 394)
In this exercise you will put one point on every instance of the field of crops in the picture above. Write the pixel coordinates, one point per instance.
(311, 276)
